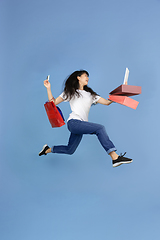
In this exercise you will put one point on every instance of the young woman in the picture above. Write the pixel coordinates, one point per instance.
(81, 97)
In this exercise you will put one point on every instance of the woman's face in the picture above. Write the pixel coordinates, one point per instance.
(83, 79)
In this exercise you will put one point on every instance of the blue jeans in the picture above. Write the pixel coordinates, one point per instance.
(77, 129)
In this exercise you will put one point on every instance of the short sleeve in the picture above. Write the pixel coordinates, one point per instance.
(63, 95)
(95, 99)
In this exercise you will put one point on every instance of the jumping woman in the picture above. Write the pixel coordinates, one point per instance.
(81, 97)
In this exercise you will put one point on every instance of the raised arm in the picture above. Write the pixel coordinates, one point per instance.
(104, 101)
(50, 96)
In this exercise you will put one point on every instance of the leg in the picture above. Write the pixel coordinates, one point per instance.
(82, 127)
(77, 129)
(48, 150)
(113, 155)
(73, 143)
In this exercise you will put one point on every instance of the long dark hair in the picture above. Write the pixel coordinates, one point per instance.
(72, 85)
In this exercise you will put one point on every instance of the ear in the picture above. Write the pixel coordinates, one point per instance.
(78, 77)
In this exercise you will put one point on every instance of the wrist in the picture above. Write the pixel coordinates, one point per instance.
(109, 101)
(52, 99)
(48, 88)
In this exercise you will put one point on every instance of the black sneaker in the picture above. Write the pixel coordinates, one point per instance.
(42, 152)
(120, 160)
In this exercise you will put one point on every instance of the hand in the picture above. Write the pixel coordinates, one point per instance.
(47, 84)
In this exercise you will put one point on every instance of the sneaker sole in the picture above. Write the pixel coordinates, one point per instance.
(42, 149)
(120, 163)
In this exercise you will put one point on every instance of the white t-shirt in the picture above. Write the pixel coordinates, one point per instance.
(80, 106)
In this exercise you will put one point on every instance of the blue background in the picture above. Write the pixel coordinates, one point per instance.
(80, 196)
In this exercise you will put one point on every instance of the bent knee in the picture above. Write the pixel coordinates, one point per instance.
(101, 127)
(101, 130)
(71, 151)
